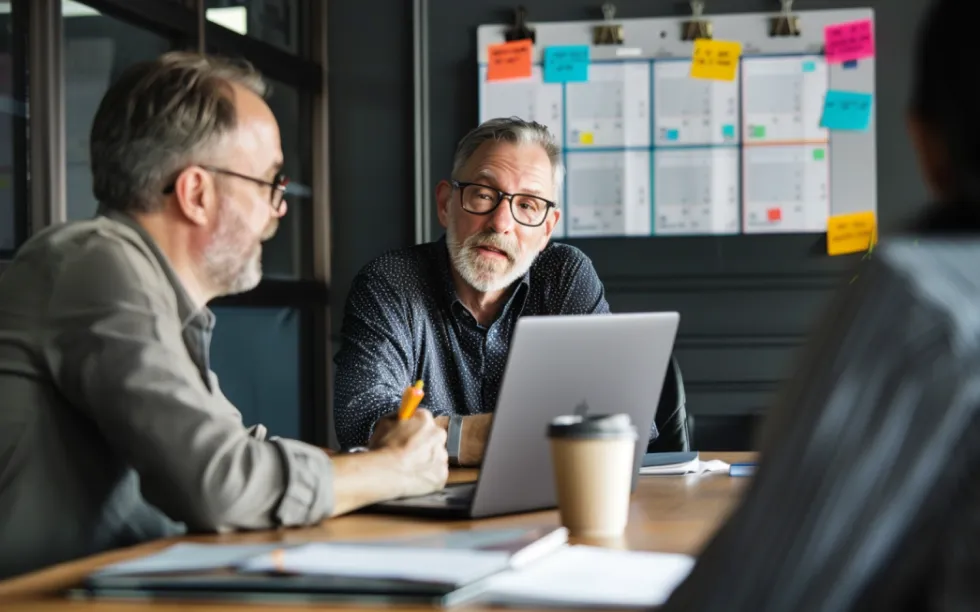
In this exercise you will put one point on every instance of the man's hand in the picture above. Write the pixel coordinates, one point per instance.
(407, 458)
(418, 447)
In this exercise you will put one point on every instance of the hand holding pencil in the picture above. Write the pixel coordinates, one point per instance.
(413, 436)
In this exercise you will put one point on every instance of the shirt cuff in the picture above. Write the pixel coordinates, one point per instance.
(308, 498)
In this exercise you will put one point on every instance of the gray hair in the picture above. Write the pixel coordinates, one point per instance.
(514, 130)
(159, 117)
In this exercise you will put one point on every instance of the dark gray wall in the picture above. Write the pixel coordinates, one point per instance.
(746, 302)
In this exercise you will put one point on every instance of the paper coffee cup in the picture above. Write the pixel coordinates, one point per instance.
(592, 458)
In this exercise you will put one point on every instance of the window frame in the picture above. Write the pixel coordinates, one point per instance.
(185, 25)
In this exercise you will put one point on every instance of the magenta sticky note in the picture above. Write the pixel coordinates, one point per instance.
(846, 42)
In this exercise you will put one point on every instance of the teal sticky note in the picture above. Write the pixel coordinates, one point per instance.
(566, 64)
(809, 66)
(846, 110)
(728, 131)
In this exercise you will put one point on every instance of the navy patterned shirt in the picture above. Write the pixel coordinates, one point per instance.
(404, 322)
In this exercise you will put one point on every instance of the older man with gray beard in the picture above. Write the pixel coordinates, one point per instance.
(113, 429)
(444, 312)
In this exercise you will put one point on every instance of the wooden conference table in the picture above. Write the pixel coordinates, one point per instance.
(668, 514)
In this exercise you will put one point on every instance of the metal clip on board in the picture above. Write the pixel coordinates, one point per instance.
(520, 31)
(786, 24)
(609, 33)
(697, 27)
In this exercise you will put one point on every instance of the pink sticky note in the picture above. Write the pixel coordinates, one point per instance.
(845, 42)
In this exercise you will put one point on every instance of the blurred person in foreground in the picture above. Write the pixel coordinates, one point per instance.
(868, 492)
(113, 429)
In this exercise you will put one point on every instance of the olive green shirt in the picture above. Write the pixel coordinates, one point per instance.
(113, 429)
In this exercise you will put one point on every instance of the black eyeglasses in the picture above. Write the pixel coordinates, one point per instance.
(277, 185)
(480, 199)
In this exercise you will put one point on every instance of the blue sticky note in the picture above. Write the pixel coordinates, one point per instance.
(846, 110)
(809, 66)
(673, 134)
(566, 64)
(728, 131)
(850, 65)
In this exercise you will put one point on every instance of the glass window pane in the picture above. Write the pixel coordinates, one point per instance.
(285, 256)
(97, 50)
(277, 22)
(13, 132)
(255, 352)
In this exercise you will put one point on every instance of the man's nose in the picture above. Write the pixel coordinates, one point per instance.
(502, 220)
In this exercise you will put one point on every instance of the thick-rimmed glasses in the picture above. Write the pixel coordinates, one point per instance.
(480, 199)
(277, 186)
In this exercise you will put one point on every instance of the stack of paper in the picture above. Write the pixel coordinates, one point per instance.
(677, 464)
(579, 576)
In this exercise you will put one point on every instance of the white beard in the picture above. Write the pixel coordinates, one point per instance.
(233, 260)
(482, 273)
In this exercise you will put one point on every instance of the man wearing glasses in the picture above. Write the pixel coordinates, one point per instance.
(113, 429)
(444, 312)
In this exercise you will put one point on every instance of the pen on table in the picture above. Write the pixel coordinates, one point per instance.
(411, 398)
(741, 469)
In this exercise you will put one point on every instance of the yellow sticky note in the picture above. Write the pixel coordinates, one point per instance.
(851, 233)
(585, 138)
(715, 59)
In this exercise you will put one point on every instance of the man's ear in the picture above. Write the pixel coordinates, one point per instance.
(550, 223)
(195, 195)
(444, 196)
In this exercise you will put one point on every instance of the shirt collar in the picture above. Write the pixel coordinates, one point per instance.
(187, 310)
(517, 297)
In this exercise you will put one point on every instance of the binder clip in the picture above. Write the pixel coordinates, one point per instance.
(697, 27)
(787, 24)
(520, 31)
(609, 33)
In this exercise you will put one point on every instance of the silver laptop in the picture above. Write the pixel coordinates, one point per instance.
(557, 365)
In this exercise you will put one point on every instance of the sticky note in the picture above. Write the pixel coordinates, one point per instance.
(809, 66)
(819, 154)
(715, 59)
(509, 60)
(757, 131)
(845, 42)
(728, 131)
(850, 233)
(774, 214)
(585, 138)
(566, 64)
(846, 110)
(673, 134)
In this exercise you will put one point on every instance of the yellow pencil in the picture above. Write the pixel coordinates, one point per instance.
(411, 398)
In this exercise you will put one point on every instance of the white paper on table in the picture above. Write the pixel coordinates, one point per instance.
(591, 576)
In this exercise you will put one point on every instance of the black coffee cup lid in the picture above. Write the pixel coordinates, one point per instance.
(592, 426)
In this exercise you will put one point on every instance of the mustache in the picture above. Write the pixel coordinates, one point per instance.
(493, 240)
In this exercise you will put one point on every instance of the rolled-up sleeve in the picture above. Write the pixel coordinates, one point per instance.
(116, 352)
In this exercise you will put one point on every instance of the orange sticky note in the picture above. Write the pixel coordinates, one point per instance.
(851, 233)
(715, 59)
(509, 60)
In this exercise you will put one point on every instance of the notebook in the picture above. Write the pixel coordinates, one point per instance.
(678, 464)
(440, 570)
